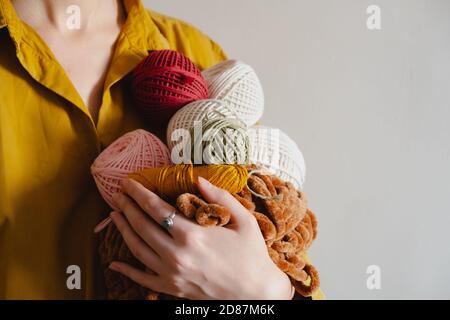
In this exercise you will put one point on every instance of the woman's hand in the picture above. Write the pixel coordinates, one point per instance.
(195, 262)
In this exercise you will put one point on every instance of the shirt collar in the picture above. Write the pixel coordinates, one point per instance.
(139, 34)
(2, 15)
(9, 18)
(2, 19)
(139, 28)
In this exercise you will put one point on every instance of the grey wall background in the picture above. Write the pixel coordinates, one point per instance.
(371, 113)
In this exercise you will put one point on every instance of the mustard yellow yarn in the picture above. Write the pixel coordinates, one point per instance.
(171, 181)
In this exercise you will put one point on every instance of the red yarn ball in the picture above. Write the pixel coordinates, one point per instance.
(163, 83)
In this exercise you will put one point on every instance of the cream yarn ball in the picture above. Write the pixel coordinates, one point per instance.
(278, 153)
(237, 84)
(224, 138)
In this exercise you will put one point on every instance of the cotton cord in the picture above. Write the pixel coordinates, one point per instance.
(215, 130)
(163, 83)
(237, 84)
(132, 152)
(222, 141)
(278, 153)
(171, 181)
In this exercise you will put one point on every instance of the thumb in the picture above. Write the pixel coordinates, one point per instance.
(240, 216)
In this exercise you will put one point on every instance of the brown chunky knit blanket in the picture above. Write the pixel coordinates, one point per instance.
(286, 223)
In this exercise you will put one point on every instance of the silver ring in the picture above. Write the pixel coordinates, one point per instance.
(167, 223)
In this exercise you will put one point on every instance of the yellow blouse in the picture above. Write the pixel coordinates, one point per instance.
(49, 204)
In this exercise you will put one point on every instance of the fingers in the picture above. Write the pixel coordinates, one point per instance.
(240, 216)
(154, 206)
(102, 225)
(146, 228)
(138, 248)
(142, 278)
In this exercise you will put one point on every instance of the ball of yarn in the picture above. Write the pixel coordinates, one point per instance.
(237, 83)
(276, 151)
(164, 82)
(171, 181)
(134, 151)
(216, 134)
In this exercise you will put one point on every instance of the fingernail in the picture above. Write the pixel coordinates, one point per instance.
(112, 215)
(113, 266)
(204, 182)
(102, 225)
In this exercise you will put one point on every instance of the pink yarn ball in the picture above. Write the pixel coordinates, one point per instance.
(135, 151)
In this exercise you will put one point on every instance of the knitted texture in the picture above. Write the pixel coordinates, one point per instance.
(278, 153)
(237, 84)
(217, 136)
(164, 82)
(132, 152)
(287, 226)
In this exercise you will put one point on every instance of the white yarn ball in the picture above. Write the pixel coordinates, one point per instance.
(186, 117)
(219, 123)
(278, 153)
(237, 83)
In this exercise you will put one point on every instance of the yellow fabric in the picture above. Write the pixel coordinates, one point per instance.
(49, 204)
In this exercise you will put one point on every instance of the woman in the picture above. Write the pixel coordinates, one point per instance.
(63, 98)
